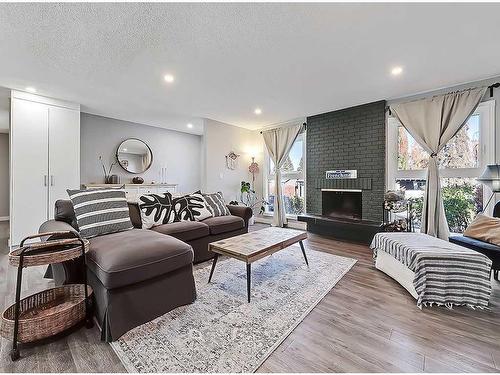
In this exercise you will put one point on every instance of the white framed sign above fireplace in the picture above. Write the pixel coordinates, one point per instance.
(341, 173)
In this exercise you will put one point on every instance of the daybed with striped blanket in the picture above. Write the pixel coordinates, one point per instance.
(434, 271)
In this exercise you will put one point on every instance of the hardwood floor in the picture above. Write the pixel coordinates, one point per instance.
(367, 323)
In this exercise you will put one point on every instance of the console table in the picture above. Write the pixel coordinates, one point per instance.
(132, 191)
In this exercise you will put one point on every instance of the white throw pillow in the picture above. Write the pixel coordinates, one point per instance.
(156, 209)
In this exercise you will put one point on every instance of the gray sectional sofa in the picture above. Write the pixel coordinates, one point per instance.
(140, 274)
(492, 251)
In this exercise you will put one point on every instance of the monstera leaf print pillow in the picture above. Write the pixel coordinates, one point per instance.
(191, 207)
(156, 209)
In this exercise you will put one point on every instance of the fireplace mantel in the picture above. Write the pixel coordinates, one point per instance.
(361, 183)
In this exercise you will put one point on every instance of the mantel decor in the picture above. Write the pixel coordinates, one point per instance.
(341, 173)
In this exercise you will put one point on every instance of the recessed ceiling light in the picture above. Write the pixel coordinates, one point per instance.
(257, 111)
(30, 89)
(189, 125)
(397, 70)
(168, 78)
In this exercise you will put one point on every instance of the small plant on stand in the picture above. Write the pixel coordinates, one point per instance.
(248, 197)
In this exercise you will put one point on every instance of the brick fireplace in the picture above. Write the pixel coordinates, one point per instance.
(347, 139)
(351, 138)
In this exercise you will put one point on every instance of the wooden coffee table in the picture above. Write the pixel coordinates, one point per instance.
(256, 245)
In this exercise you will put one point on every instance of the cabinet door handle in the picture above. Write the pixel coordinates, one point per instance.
(51, 180)
(45, 178)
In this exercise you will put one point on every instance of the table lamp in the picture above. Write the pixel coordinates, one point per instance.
(491, 178)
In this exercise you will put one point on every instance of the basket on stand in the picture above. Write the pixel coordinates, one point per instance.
(51, 311)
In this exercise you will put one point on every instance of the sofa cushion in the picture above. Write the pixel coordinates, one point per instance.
(100, 211)
(156, 209)
(63, 211)
(184, 230)
(135, 214)
(191, 207)
(474, 244)
(216, 204)
(484, 228)
(132, 256)
(223, 224)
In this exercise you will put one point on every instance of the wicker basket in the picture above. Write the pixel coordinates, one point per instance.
(46, 313)
(50, 251)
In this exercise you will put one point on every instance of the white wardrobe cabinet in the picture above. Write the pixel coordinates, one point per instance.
(45, 159)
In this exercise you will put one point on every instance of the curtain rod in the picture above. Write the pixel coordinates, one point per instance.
(304, 124)
(491, 87)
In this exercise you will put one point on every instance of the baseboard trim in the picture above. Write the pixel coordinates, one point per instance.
(4, 218)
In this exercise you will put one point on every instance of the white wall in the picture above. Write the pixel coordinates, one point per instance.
(4, 151)
(179, 152)
(218, 140)
(4, 175)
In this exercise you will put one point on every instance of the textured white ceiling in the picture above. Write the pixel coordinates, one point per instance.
(288, 59)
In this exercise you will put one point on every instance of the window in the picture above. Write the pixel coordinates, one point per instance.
(461, 161)
(292, 179)
(462, 151)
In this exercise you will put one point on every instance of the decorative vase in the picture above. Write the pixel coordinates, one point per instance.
(137, 180)
(114, 179)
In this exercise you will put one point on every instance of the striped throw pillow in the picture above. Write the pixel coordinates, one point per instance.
(216, 204)
(100, 211)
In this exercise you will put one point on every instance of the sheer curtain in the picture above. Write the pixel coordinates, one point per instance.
(278, 142)
(432, 122)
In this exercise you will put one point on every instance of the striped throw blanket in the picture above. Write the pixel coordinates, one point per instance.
(445, 273)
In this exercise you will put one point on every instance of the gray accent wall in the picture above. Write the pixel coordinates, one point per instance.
(179, 152)
(4, 174)
(351, 138)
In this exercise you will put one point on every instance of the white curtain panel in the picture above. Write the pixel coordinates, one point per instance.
(278, 143)
(433, 122)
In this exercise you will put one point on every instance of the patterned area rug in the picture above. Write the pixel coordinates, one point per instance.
(221, 332)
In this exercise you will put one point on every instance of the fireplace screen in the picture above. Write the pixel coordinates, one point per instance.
(342, 204)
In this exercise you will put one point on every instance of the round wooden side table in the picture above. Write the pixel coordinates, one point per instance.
(53, 310)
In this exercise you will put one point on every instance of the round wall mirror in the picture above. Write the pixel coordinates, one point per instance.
(134, 155)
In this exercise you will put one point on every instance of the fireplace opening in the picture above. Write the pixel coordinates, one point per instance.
(345, 204)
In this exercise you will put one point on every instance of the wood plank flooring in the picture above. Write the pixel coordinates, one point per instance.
(367, 323)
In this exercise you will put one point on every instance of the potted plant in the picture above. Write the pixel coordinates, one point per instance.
(248, 197)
